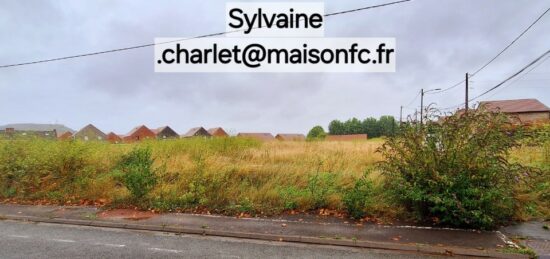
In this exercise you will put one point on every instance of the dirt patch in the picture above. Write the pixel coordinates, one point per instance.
(128, 214)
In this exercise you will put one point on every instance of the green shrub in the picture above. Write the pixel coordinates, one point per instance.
(316, 133)
(320, 185)
(135, 169)
(455, 171)
(359, 198)
(289, 197)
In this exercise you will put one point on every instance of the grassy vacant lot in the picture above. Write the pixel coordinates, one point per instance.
(224, 175)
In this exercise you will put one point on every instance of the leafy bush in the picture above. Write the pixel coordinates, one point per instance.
(289, 197)
(316, 133)
(320, 185)
(137, 173)
(359, 198)
(35, 168)
(455, 171)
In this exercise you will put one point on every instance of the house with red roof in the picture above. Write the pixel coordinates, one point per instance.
(139, 133)
(524, 111)
(114, 138)
(218, 132)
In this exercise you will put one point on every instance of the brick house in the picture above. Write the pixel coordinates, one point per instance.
(165, 133)
(11, 133)
(90, 133)
(139, 133)
(523, 111)
(67, 135)
(196, 132)
(218, 132)
(114, 138)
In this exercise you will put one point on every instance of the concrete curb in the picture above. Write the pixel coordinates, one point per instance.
(417, 248)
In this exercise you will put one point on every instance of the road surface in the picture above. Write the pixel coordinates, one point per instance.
(38, 240)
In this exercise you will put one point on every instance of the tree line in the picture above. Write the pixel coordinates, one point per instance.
(385, 126)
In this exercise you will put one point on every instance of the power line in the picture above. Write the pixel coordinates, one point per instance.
(449, 88)
(414, 99)
(522, 76)
(504, 81)
(500, 53)
(511, 43)
(365, 8)
(180, 40)
(512, 76)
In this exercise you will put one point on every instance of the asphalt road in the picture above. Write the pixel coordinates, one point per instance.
(32, 240)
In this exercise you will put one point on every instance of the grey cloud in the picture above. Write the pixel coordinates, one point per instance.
(437, 42)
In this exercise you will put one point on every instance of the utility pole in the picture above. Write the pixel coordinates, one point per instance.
(466, 97)
(421, 104)
(422, 92)
(401, 116)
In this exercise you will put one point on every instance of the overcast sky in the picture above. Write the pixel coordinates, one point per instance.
(437, 43)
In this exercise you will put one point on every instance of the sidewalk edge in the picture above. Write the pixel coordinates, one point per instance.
(419, 248)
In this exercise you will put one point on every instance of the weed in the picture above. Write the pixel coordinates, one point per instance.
(320, 185)
(359, 198)
(520, 250)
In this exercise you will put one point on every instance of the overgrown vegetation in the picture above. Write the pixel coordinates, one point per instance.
(223, 175)
(424, 172)
(457, 171)
(135, 170)
(359, 198)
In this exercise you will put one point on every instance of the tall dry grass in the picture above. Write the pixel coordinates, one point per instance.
(221, 174)
(225, 175)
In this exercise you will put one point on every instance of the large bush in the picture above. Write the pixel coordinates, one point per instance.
(359, 198)
(136, 170)
(455, 171)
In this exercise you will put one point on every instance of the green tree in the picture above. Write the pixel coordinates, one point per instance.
(371, 127)
(336, 127)
(387, 125)
(316, 132)
(353, 126)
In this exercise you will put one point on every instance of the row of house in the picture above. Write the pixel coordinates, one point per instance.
(523, 111)
(44, 134)
(90, 132)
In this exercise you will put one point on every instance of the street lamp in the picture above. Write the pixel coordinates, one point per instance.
(422, 92)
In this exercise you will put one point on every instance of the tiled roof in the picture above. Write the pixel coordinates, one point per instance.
(515, 106)
(218, 131)
(93, 129)
(134, 130)
(193, 131)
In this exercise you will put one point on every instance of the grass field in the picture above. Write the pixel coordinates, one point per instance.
(223, 175)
